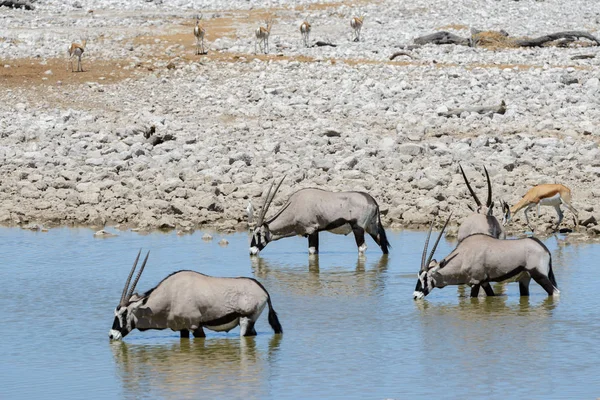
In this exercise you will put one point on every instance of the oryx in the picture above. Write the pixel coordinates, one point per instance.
(480, 259)
(310, 211)
(188, 301)
(482, 220)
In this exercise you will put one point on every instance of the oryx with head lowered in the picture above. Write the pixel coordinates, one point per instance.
(187, 301)
(480, 259)
(482, 220)
(310, 211)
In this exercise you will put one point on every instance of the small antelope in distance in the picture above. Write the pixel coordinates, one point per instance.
(550, 194)
(199, 34)
(76, 50)
(310, 211)
(305, 32)
(480, 259)
(187, 301)
(262, 36)
(482, 220)
(356, 23)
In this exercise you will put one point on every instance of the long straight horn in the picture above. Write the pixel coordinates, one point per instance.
(438, 240)
(137, 277)
(261, 213)
(269, 199)
(123, 300)
(423, 257)
(469, 187)
(275, 192)
(488, 203)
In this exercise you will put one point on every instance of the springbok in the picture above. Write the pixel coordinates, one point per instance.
(310, 211)
(305, 32)
(480, 259)
(482, 220)
(262, 36)
(188, 301)
(76, 50)
(545, 195)
(356, 23)
(199, 32)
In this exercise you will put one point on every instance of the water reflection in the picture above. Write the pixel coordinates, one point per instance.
(483, 308)
(188, 367)
(311, 279)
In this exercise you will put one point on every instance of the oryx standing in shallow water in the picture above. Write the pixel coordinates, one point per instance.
(310, 211)
(480, 259)
(187, 301)
(482, 220)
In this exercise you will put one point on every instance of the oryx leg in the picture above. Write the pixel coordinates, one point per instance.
(543, 281)
(184, 334)
(475, 290)
(527, 216)
(199, 333)
(488, 289)
(359, 236)
(524, 285)
(313, 243)
(247, 327)
(560, 216)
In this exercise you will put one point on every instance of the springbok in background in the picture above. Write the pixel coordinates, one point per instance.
(310, 211)
(356, 23)
(262, 36)
(305, 32)
(480, 259)
(187, 301)
(76, 50)
(482, 220)
(199, 32)
(550, 194)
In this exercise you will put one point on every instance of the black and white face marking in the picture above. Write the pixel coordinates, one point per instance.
(422, 288)
(121, 325)
(259, 240)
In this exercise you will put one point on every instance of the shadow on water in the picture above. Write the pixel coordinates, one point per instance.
(311, 278)
(189, 367)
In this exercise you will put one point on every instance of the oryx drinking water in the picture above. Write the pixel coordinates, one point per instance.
(482, 220)
(187, 301)
(480, 259)
(310, 211)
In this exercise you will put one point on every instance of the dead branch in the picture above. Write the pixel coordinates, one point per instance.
(321, 44)
(486, 110)
(400, 53)
(500, 38)
(568, 35)
(583, 57)
(16, 4)
(442, 37)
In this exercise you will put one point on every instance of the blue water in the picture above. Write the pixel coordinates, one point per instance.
(351, 327)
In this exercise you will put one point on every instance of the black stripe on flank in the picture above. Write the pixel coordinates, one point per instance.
(223, 320)
(512, 273)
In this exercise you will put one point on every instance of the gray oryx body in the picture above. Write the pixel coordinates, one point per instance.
(310, 211)
(480, 259)
(482, 220)
(188, 301)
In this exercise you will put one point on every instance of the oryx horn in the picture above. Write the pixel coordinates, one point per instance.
(137, 277)
(437, 240)
(123, 300)
(268, 200)
(469, 187)
(488, 203)
(424, 256)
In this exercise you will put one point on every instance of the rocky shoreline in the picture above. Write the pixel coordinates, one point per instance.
(153, 137)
